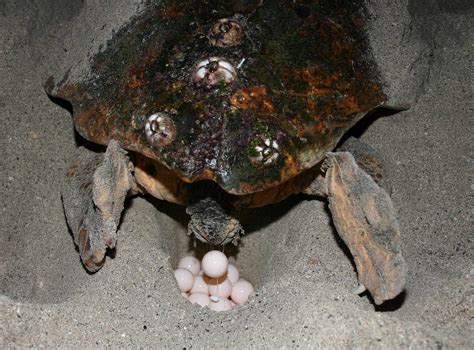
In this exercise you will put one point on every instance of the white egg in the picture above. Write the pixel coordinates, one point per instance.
(200, 299)
(222, 290)
(199, 286)
(184, 278)
(241, 291)
(232, 273)
(214, 263)
(190, 263)
(221, 305)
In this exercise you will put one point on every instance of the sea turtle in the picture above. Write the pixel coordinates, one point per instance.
(220, 105)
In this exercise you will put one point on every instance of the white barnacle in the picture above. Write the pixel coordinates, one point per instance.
(213, 70)
(225, 33)
(160, 129)
(265, 152)
(201, 70)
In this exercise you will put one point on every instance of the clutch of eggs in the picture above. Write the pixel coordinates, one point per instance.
(214, 282)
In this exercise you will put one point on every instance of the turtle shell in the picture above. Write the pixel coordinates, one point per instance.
(245, 93)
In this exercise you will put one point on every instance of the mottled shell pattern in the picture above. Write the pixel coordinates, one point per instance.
(246, 93)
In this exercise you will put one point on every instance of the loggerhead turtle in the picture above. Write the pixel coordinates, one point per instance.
(229, 104)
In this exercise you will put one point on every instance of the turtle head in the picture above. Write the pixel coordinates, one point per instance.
(210, 222)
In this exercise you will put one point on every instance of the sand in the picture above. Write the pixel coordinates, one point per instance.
(303, 275)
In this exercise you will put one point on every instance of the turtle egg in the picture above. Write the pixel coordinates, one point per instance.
(200, 299)
(184, 278)
(214, 263)
(199, 286)
(222, 290)
(232, 273)
(222, 304)
(241, 291)
(212, 282)
(190, 263)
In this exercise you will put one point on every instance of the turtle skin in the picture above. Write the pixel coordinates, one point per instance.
(229, 104)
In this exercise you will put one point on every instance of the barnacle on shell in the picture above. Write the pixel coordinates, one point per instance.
(214, 70)
(160, 129)
(226, 32)
(264, 152)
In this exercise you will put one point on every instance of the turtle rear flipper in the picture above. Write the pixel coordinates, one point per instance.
(365, 219)
(93, 199)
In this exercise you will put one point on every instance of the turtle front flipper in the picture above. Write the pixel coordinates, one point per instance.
(93, 199)
(368, 159)
(365, 218)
